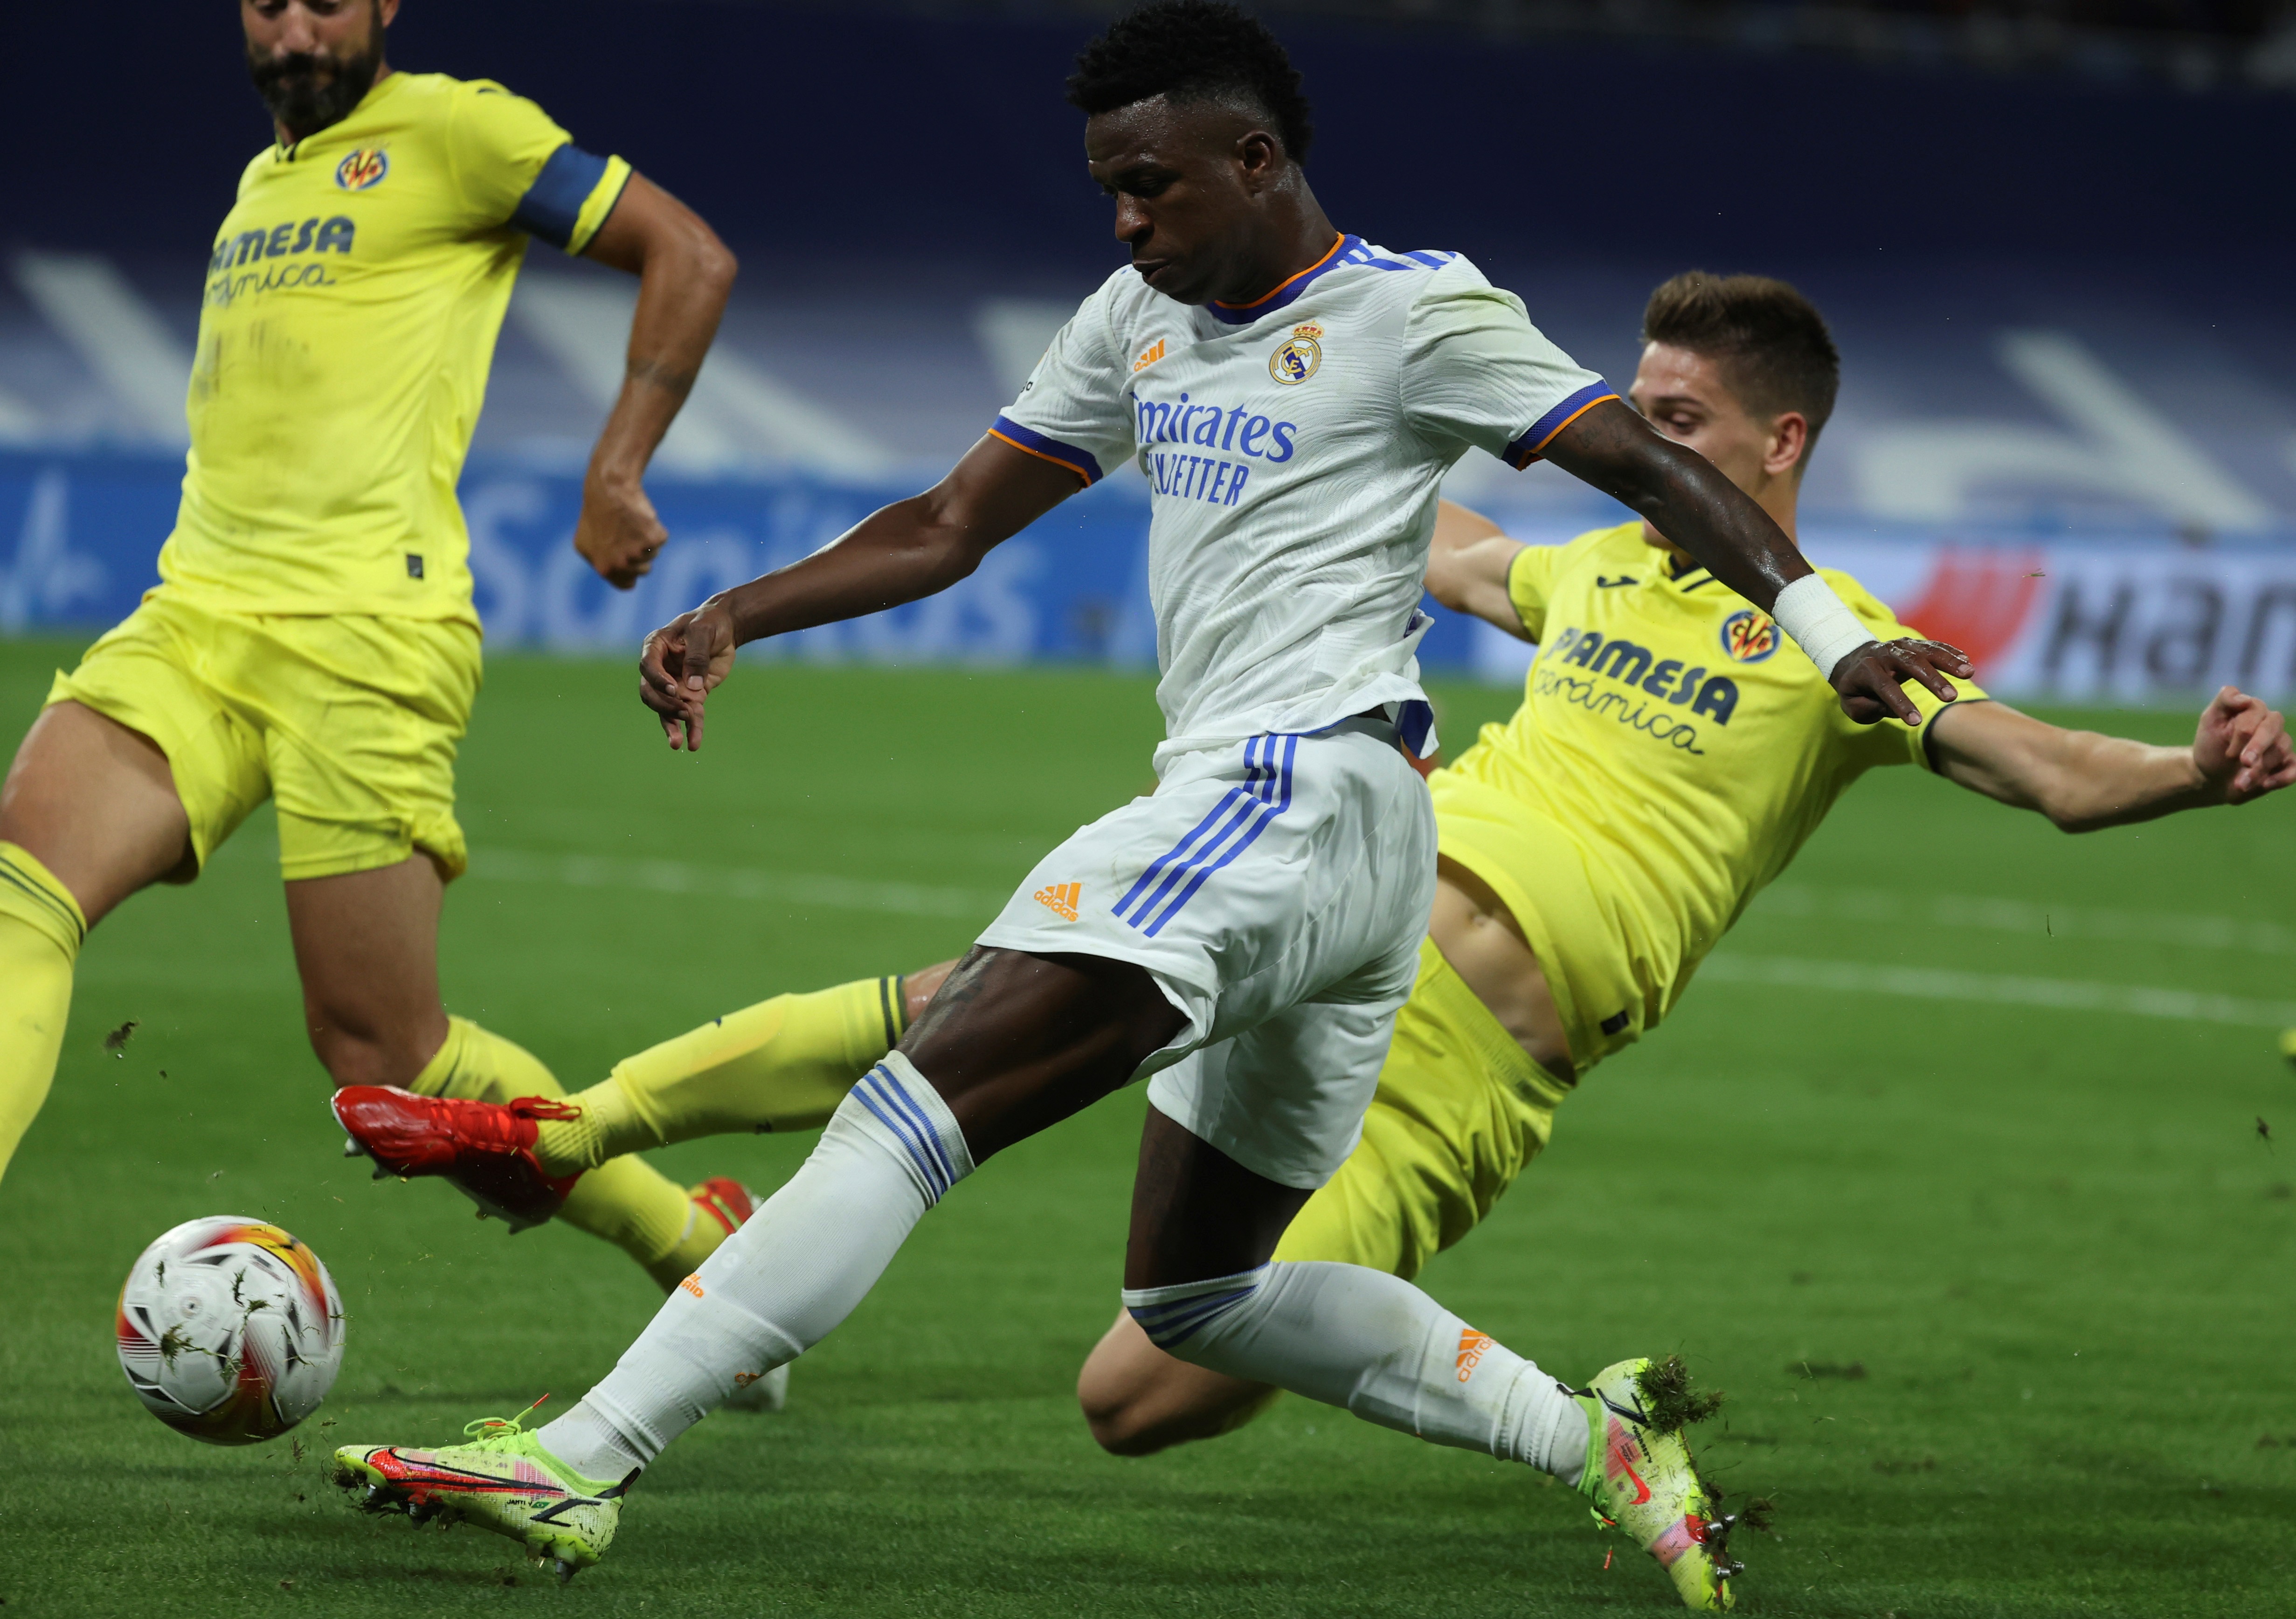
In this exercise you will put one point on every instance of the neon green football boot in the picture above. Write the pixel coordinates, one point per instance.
(1643, 1483)
(2288, 1044)
(502, 1480)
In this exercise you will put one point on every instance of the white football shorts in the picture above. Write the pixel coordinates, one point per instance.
(1278, 890)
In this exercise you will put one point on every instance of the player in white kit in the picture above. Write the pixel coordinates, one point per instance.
(1246, 933)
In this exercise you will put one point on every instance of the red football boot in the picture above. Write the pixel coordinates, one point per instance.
(484, 1149)
(725, 1200)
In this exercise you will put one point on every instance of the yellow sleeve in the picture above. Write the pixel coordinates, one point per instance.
(1532, 576)
(1530, 582)
(515, 166)
(1891, 742)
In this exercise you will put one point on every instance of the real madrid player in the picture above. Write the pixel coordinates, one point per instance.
(1570, 911)
(1245, 934)
(312, 640)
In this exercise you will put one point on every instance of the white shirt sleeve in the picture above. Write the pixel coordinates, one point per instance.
(1476, 372)
(1072, 411)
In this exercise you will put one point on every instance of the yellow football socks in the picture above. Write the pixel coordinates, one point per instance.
(41, 928)
(784, 1064)
(628, 1203)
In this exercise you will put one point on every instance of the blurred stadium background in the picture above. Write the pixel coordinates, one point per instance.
(2050, 234)
(1983, 1226)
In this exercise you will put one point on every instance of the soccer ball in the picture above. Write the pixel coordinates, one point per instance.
(230, 1330)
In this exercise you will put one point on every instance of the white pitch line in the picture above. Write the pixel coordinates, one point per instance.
(2057, 994)
(2198, 932)
(733, 882)
(1782, 971)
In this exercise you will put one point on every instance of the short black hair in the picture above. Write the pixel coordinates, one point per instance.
(1193, 50)
(1767, 339)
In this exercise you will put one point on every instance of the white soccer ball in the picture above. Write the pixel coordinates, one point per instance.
(230, 1330)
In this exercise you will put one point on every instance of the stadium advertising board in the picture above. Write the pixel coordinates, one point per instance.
(2108, 618)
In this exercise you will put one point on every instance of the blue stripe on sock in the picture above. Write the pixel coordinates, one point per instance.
(916, 1113)
(1156, 1317)
(1196, 1313)
(900, 1128)
(911, 1119)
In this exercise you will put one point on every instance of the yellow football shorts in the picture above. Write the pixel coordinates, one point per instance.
(350, 722)
(1461, 1110)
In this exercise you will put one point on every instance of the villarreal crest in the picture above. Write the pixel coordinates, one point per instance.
(363, 169)
(1749, 636)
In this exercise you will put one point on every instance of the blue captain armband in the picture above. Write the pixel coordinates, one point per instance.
(571, 197)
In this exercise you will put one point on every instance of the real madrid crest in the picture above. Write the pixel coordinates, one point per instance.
(1295, 358)
(363, 167)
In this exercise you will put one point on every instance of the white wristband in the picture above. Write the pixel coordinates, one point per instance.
(1810, 612)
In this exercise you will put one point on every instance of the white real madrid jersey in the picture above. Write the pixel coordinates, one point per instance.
(1294, 447)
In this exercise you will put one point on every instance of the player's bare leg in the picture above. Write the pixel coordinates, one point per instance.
(366, 945)
(95, 803)
(88, 815)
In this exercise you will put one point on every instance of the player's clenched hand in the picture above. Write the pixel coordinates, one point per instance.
(2242, 748)
(1872, 679)
(681, 664)
(618, 532)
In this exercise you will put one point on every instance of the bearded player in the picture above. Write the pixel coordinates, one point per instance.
(1593, 848)
(1245, 934)
(312, 640)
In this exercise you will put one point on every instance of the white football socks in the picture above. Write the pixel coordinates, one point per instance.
(1341, 1333)
(1377, 1346)
(782, 1282)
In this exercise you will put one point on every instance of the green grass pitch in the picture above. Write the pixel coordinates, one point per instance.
(1992, 1262)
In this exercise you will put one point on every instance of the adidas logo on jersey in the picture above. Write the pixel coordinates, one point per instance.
(1149, 355)
(1060, 898)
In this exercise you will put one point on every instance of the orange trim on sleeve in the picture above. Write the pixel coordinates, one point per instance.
(1532, 454)
(1040, 455)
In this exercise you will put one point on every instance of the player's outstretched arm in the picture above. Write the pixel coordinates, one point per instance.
(2084, 781)
(1684, 498)
(909, 549)
(1467, 567)
(685, 274)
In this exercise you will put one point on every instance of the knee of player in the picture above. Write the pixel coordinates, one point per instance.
(1136, 1400)
(1115, 1412)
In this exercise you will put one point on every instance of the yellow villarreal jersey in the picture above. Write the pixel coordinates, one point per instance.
(1673, 751)
(351, 308)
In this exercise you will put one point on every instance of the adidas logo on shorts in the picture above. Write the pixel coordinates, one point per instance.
(1060, 898)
